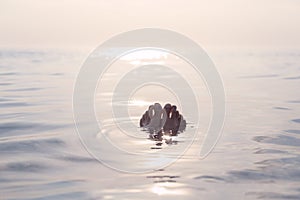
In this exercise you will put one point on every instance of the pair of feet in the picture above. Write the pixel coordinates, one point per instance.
(168, 119)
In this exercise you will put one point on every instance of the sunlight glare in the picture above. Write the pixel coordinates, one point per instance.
(163, 190)
(140, 103)
(145, 54)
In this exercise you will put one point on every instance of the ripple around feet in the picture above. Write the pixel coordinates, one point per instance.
(163, 178)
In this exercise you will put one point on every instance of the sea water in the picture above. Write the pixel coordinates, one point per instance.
(257, 156)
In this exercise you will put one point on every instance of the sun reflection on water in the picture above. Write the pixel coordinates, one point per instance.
(167, 189)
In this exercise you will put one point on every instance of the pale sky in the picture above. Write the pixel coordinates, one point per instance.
(87, 23)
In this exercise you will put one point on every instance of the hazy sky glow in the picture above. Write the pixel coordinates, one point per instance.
(76, 24)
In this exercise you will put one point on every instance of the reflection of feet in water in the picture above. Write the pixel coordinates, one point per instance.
(162, 123)
(156, 136)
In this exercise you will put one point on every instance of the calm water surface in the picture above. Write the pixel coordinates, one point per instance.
(258, 156)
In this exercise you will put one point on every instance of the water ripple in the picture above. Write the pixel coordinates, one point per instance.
(273, 195)
(31, 146)
(281, 108)
(293, 131)
(76, 159)
(260, 76)
(15, 104)
(210, 178)
(24, 89)
(6, 129)
(269, 151)
(296, 120)
(279, 140)
(292, 78)
(270, 170)
(24, 167)
(65, 196)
